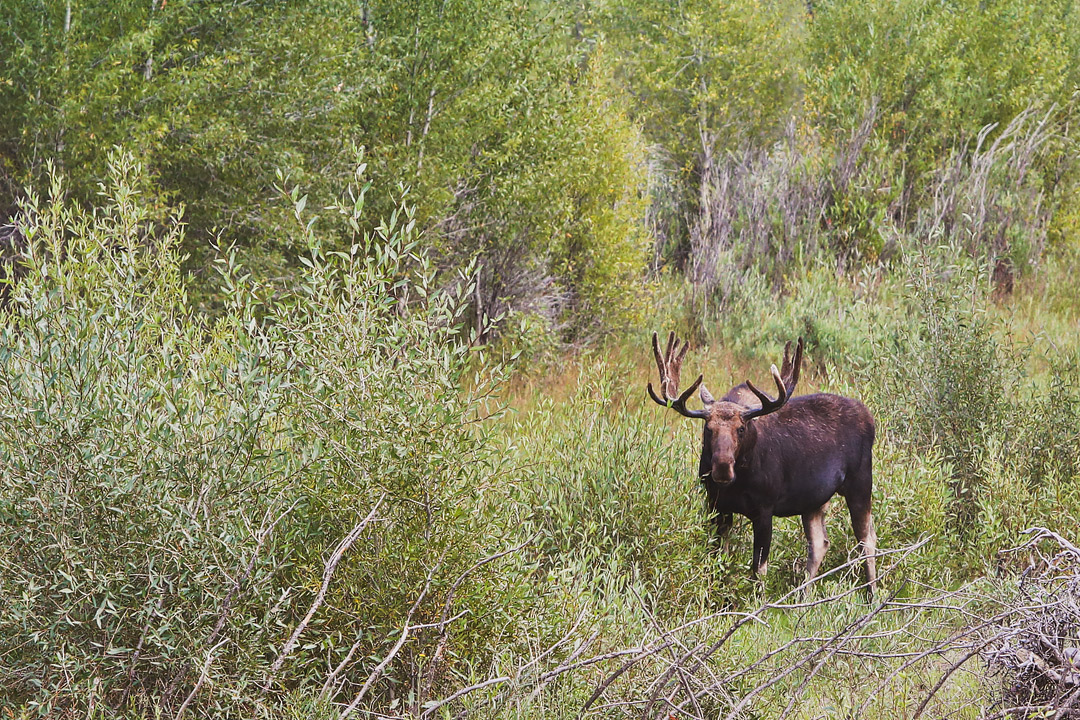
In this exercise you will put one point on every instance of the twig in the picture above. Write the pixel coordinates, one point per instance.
(842, 638)
(201, 680)
(328, 574)
(676, 663)
(462, 692)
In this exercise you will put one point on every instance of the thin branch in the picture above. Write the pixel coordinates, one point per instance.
(462, 692)
(328, 574)
(202, 678)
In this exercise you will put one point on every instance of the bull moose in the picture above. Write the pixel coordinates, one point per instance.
(764, 458)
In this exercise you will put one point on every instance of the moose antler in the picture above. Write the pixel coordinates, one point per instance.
(670, 363)
(789, 371)
(768, 405)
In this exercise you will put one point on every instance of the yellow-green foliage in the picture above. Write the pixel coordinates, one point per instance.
(517, 150)
(939, 70)
(176, 486)
(604, 242)
(698, 68)
(175, 490)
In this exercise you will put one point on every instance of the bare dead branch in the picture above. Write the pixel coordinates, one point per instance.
(328, 575)
(202, 679)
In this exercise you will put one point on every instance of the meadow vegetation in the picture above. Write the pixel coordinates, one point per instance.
(325, 333)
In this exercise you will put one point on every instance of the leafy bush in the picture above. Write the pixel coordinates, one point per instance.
(707, 80)
(517, 152)
(203, 515)
(997, 198)
(941, 71)
(953, 383)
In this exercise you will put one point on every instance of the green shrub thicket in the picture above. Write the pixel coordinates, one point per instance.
(174, 490)
(516, 148)
(299, 506)
(940, 71)
(975, 439)
(302, 505)
(786, 133)
(550, 140)
(958, 383)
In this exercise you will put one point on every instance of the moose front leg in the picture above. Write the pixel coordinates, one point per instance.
(723, 521)
(762, 541)
(721, 526)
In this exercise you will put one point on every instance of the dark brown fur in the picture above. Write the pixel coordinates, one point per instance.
(766, 458)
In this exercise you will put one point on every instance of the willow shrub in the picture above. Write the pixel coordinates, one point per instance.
(956, 391)
(173, 488)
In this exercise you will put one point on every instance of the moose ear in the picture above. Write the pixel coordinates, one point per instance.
(706, 396)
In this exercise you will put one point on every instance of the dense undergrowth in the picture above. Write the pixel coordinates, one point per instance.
(331, 501)
(314, 449)
(564, 145)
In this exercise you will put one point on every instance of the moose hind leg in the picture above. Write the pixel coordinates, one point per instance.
(817, 542)
(863, 523)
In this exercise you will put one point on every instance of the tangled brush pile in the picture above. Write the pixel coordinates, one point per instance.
(1036, 644)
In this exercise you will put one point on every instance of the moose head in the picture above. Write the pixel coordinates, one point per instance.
(729, 431)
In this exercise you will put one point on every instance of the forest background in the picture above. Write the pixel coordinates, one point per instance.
(326, 330)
